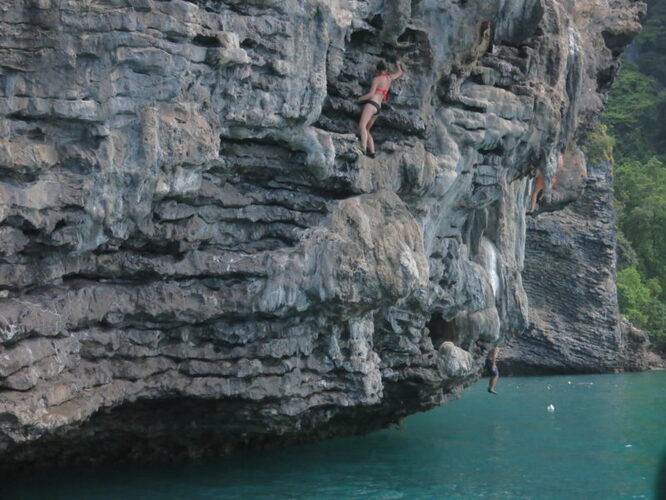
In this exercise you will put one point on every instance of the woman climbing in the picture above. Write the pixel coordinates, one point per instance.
(372, 104)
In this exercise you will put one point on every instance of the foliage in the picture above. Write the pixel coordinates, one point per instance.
(625, 252)
(640, 188)
(635, 296)
(652, 42)
(599, 144)
(634, 114)
(639, 303)
(634, 118)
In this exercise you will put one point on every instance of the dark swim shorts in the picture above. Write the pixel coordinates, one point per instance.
(373, 103)
(489, 368)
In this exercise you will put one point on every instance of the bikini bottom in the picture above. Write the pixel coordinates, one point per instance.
(373, 103)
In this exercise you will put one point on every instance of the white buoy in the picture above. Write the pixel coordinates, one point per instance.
(550, 408)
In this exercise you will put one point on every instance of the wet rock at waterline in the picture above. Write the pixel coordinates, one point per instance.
(196, 257)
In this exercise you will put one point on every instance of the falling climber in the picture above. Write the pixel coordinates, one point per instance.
(491, 368)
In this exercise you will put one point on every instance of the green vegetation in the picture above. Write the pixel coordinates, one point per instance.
(652, 42)
(636, 104)
(599, 144)
(635, 135)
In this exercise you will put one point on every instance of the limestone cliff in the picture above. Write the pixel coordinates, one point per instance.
(195, 256)
(569, 276)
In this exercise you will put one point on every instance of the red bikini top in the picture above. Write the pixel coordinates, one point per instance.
(383, 91)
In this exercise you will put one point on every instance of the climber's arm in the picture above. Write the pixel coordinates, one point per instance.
(369, 95)
(399, 73)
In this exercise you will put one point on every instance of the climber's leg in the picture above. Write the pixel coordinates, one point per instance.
(366, 115)
(371, 141)
(492, 383)
(536, 191)
(533, 199)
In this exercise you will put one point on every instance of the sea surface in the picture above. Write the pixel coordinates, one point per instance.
(603, 440)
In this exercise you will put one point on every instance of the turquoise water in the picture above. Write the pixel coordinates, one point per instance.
(603, 441)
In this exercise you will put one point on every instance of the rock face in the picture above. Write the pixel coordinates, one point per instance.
(196, 257)
(569, 277)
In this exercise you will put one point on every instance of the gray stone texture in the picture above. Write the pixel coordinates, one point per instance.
(569, 276)
(195, 256)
